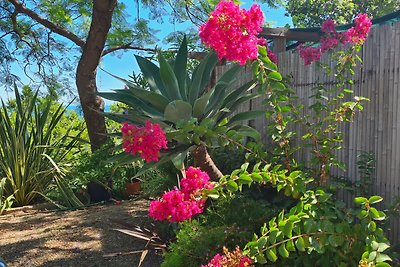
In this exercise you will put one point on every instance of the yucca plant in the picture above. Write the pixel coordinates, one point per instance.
(27, 145)
(195, 113)
(5, 202)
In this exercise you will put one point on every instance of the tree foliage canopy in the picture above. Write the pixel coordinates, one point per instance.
(309, 13)
(30, 35)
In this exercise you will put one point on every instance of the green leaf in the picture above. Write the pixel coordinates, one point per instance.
(262, 242)
(260, 259)
(128, 98)
(152, 74)
(200, 105)
(235, 94)
(274, 75)
(382, 264)
(372, 226)
(155, 99)
(232, 186)
(290, 246)
(335, 240)
(247, 115)
(178, 110)
(180, 69)
(328, 226)
(287, 230)
(201, 76)
(360, 200)
(245, 179)
(283, 251)
(179, 159)
(374, 199)
(248, 131)
(382, 247)
(218, 97)
(372, 256)
(271, 255)
(169, 79)
(256, 177)
(213, 193)
(376, 215)
(374, 245)
(300, 245)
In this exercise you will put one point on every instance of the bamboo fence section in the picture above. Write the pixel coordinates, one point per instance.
(376, 129)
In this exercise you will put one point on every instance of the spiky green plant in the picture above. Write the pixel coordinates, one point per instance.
(27, 143)
(194, 112)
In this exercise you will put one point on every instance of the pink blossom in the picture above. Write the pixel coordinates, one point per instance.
(331, 39)
(195, 181)
(232, 32)
(329, 26)
(359, 32)
(230, 259)
(244, 262)
(147, 141)
(179, 205)
(328, 43)
(309, 54)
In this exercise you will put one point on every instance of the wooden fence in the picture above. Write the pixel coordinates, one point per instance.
(376, 129)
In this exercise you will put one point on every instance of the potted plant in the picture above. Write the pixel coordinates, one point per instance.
(132, 186)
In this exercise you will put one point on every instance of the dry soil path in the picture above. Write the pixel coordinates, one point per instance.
(76, 238)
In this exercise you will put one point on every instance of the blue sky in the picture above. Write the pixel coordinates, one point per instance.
(125, 65)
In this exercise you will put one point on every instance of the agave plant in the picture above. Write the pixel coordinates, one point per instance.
(28, 148)
(194, 112)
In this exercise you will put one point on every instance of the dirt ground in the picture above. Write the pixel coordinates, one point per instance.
(77, 238)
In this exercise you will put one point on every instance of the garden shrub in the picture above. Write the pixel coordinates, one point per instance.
(228, 158)
(310, 230)
(96, 167)
(33, 151)
(228, 222)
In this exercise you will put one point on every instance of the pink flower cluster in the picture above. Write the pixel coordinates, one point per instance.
(230, 259)
(232, 32)
(359, 32)
(309, 54)
(147, 141)
(332, 38)
(179, 205)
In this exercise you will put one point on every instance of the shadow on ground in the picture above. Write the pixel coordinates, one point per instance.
(77, 238)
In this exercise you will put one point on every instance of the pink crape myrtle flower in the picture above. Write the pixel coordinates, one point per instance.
(232, 32)
(182, 204)
(331, 37)
(329, 26)
(147, 141)
(230, 259)
(358, 34)
(195, 181)
(310, 54)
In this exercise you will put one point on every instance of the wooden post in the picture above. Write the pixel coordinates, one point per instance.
(279, 44)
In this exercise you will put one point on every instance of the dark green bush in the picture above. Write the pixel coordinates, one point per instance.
(228, 158)
(228, 222)
(97, 167)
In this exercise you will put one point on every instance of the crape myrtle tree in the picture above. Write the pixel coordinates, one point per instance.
(312, 13)
(48, 38)
(51, 38)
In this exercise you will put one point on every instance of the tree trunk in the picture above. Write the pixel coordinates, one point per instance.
(203, 160)
(86, 72)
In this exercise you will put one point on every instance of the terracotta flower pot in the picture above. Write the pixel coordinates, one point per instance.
(133, 188)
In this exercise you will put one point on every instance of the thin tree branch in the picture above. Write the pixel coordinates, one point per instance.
(47, 23)
(191, 55)
(127, 47)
